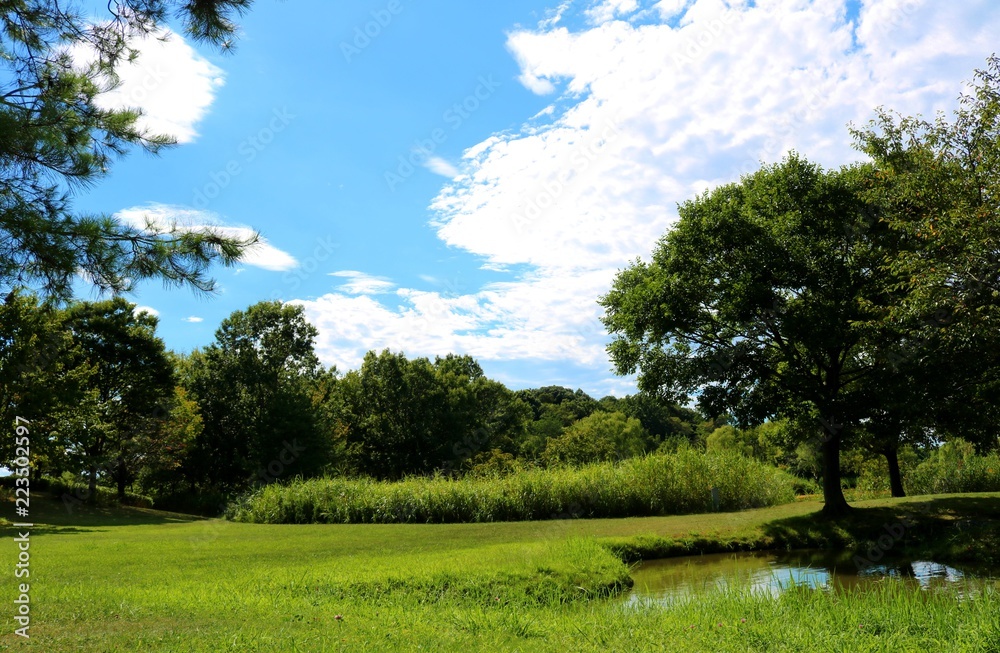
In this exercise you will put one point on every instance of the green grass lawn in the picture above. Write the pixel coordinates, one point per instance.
(137, 580)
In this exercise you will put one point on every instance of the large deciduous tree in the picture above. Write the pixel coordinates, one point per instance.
(760, 301)
(254, 386)
(939, 182)
(56, 138)
(131, 381)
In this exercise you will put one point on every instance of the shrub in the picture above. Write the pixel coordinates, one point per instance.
(955, 467)
(727, 438)
(598, 437)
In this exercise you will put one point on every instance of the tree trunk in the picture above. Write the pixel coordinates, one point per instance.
(834, 503)
(92, 487)
(121, 480)
(895, 478)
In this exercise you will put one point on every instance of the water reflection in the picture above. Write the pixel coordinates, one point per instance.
(772, 573)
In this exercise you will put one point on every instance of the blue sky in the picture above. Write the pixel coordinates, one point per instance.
(440, 177)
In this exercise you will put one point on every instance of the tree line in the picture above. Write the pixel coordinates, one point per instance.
(113, 407)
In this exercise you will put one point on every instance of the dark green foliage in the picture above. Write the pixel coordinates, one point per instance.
(131, 382)
(37, 380)
(414, 417)
(553, 409)
(758, 301)
(940, 183)
(571, 405)
(662, 420)
(254, 387)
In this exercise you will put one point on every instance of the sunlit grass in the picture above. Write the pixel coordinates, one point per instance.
(138, 580)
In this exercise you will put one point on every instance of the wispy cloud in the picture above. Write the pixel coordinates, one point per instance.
(194, 319)
(440, 166)
(359, 283)
(163, 216)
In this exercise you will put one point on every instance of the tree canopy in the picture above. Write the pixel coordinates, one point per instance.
(759, 302)
(406, 416)
(254, 389)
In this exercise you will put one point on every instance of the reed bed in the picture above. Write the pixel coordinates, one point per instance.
(679, 483)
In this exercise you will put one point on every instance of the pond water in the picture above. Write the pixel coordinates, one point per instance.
(773, 572)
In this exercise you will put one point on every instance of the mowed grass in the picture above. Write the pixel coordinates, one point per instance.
(138, 580)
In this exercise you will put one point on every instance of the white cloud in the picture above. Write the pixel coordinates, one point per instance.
(507, 321)
(647, 116)
(146, 309)
(194, 319)
(172, 84)
(440, 166)
(359, 283)
(162, 216)
(670, 8)
(606, 10)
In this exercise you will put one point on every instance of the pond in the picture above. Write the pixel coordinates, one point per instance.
(773, 572)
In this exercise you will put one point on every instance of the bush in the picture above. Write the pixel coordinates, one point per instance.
(493, 463)
(955, 467)
(598, 437)
(727, 438)
(652, 485)
(951, 468)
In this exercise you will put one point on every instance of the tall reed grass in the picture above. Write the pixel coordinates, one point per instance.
(677, 483)
(972, 473)
(949, 470)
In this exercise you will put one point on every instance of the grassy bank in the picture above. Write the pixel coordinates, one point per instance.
(138, 580)
(654, 485)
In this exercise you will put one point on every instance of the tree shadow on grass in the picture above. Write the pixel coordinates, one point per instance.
(50, 514)
(960, 527)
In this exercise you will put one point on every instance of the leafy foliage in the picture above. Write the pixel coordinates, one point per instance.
(414, 417)
(131, 379)
(600, 436)
(759, 302)
(254, 389)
